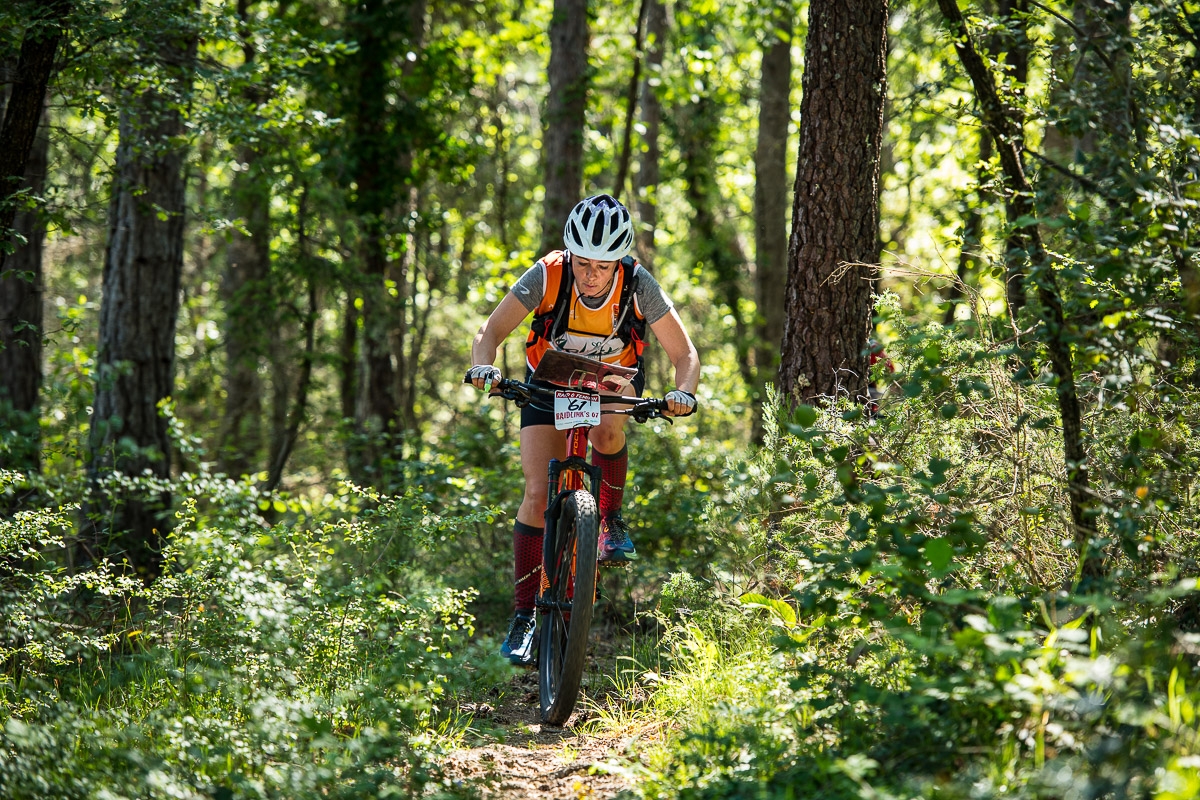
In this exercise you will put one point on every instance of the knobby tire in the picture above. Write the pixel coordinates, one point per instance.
(562, 654)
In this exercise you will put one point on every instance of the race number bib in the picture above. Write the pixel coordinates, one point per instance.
(576, 409)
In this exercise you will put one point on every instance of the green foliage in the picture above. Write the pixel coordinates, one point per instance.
(864, 607)
(919, 641)
(299, 658)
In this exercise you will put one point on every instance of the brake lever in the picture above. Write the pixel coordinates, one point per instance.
(649, 414)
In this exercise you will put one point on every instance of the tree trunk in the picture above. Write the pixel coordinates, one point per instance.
(245, 292)
(139, 306)
(631, 104)
(382, 162)
(566, 111)
(23, 111)
(835, 216)
(771, 207)
(376, 406)
(402, 270)
(1015, 44)
(285, 439)
(647, 177)
(348, 356)
(1005, 133)
(21, 326)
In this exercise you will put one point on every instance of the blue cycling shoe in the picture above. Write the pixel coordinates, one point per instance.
(518, 644)
(615, 545)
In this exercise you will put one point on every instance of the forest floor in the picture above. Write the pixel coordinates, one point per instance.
(508, 753)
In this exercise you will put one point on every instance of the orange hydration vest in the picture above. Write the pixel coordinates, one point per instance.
(614, 333)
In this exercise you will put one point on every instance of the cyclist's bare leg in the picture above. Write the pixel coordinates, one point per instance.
(539, 444)
(609, 435)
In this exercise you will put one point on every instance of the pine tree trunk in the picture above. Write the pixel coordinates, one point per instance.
(771, 207)
(376, 404)
(382, 174)
(139, 306)
(647, 176)
(21, 326)
(631, 97)
(835, 216)
(25, 104)
(245, 293)
(566, 107)
(1015, 44)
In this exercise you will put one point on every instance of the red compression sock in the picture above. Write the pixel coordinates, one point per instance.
(613, 469)
(527, 560)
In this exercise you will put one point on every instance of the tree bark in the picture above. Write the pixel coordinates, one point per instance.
(285, 442)
(631, 105)
(1005, 132)
(23, 111)
(402, 270)
(647, 177)
(21, 326)
(382, 162)
(377, 404)
(348, 356)
(771, 206)
(143, 268)
(1015, 43)
(566, 112)
(245, 292)
(835, 215)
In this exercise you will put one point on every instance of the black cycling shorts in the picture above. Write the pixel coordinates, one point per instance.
(533, 416)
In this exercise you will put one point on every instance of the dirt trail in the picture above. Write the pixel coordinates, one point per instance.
(511, 754)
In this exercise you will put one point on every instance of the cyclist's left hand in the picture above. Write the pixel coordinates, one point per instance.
(680, 403)
(482, 375)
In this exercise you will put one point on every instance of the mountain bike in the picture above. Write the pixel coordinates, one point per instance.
(577, 390)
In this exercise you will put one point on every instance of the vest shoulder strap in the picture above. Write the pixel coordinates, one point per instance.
(552, 323)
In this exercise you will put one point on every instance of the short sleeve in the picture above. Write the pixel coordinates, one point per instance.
(652, 303)
(530, 287)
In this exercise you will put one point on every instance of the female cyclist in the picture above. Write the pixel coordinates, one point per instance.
(593, 299)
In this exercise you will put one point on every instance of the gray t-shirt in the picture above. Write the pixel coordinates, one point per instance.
(649, 299)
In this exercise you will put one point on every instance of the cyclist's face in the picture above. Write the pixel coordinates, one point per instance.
(593, 276)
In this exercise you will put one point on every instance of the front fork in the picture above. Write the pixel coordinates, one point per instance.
(563, 478)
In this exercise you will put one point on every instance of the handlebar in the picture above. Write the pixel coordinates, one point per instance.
(541, 397)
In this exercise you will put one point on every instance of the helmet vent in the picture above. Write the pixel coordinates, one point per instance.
(599, 227)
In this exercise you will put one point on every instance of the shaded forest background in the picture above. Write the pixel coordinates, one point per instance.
(250, 515)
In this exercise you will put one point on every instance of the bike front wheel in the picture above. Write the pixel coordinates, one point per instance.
(567, 606)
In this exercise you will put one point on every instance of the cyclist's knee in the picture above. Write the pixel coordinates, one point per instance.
(535, 497)
(608, 439)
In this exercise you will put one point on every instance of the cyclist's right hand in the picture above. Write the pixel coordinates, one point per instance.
(680, 403)
(482, 376)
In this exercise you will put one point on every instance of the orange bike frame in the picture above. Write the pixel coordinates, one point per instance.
(567, 475)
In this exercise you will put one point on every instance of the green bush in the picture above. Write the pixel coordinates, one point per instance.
(917, 569)
(295, 658)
